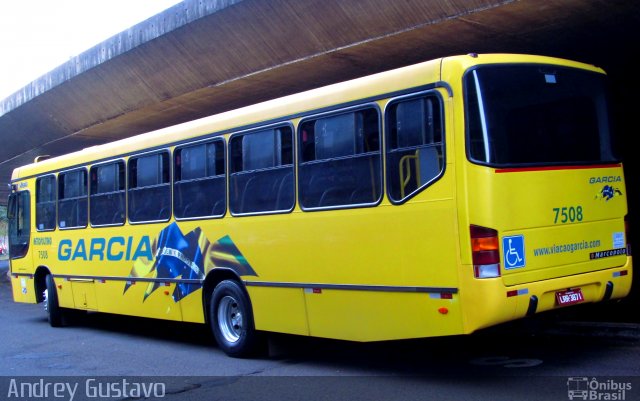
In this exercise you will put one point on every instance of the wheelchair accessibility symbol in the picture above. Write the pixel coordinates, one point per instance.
(513, 249)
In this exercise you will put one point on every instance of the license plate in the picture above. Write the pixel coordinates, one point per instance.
(569, 297)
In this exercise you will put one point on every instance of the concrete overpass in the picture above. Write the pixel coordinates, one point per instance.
(205, 56)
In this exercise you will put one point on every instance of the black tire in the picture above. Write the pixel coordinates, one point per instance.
(232, 323)
(53, 309)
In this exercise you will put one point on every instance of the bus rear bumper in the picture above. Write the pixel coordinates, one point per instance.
(595, 286)
(497, 303)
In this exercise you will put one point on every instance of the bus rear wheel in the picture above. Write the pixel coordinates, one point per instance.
(51, 306)
(232, 321)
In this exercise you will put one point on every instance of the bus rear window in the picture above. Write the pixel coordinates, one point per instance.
(536, 115)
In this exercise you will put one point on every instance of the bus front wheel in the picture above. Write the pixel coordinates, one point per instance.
(51, 305)
(232, 321)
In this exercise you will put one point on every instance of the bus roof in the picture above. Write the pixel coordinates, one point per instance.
(292, 106)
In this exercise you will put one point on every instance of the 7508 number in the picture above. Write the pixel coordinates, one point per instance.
(567, 214)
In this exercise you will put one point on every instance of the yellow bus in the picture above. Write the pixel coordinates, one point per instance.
(431, 200)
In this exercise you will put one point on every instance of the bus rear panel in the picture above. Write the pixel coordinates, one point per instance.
(545, 189)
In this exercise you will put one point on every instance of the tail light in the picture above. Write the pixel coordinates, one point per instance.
(627, 233)
(485, 252)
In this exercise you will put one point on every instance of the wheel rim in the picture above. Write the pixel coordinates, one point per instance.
(230, 319)
(46, 301)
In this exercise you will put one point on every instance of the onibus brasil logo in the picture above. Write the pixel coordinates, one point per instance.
(584, 388)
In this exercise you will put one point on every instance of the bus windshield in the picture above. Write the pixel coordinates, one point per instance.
(524, 114)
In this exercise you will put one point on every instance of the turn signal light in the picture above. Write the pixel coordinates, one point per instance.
(485, 252)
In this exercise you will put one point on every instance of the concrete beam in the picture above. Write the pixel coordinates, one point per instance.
(206, 56)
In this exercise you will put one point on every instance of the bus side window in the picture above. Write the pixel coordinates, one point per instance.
(72, 199)
(107, 204)
(199, 188)
(149, 188)
(261, 176)
(46, 203)
(340, 160)
(415, 148)
(19, 224)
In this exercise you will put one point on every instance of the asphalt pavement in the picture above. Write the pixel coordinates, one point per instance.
(503, 364)
(4, 270)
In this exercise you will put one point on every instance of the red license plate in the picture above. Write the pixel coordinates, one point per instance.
(569, 297)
